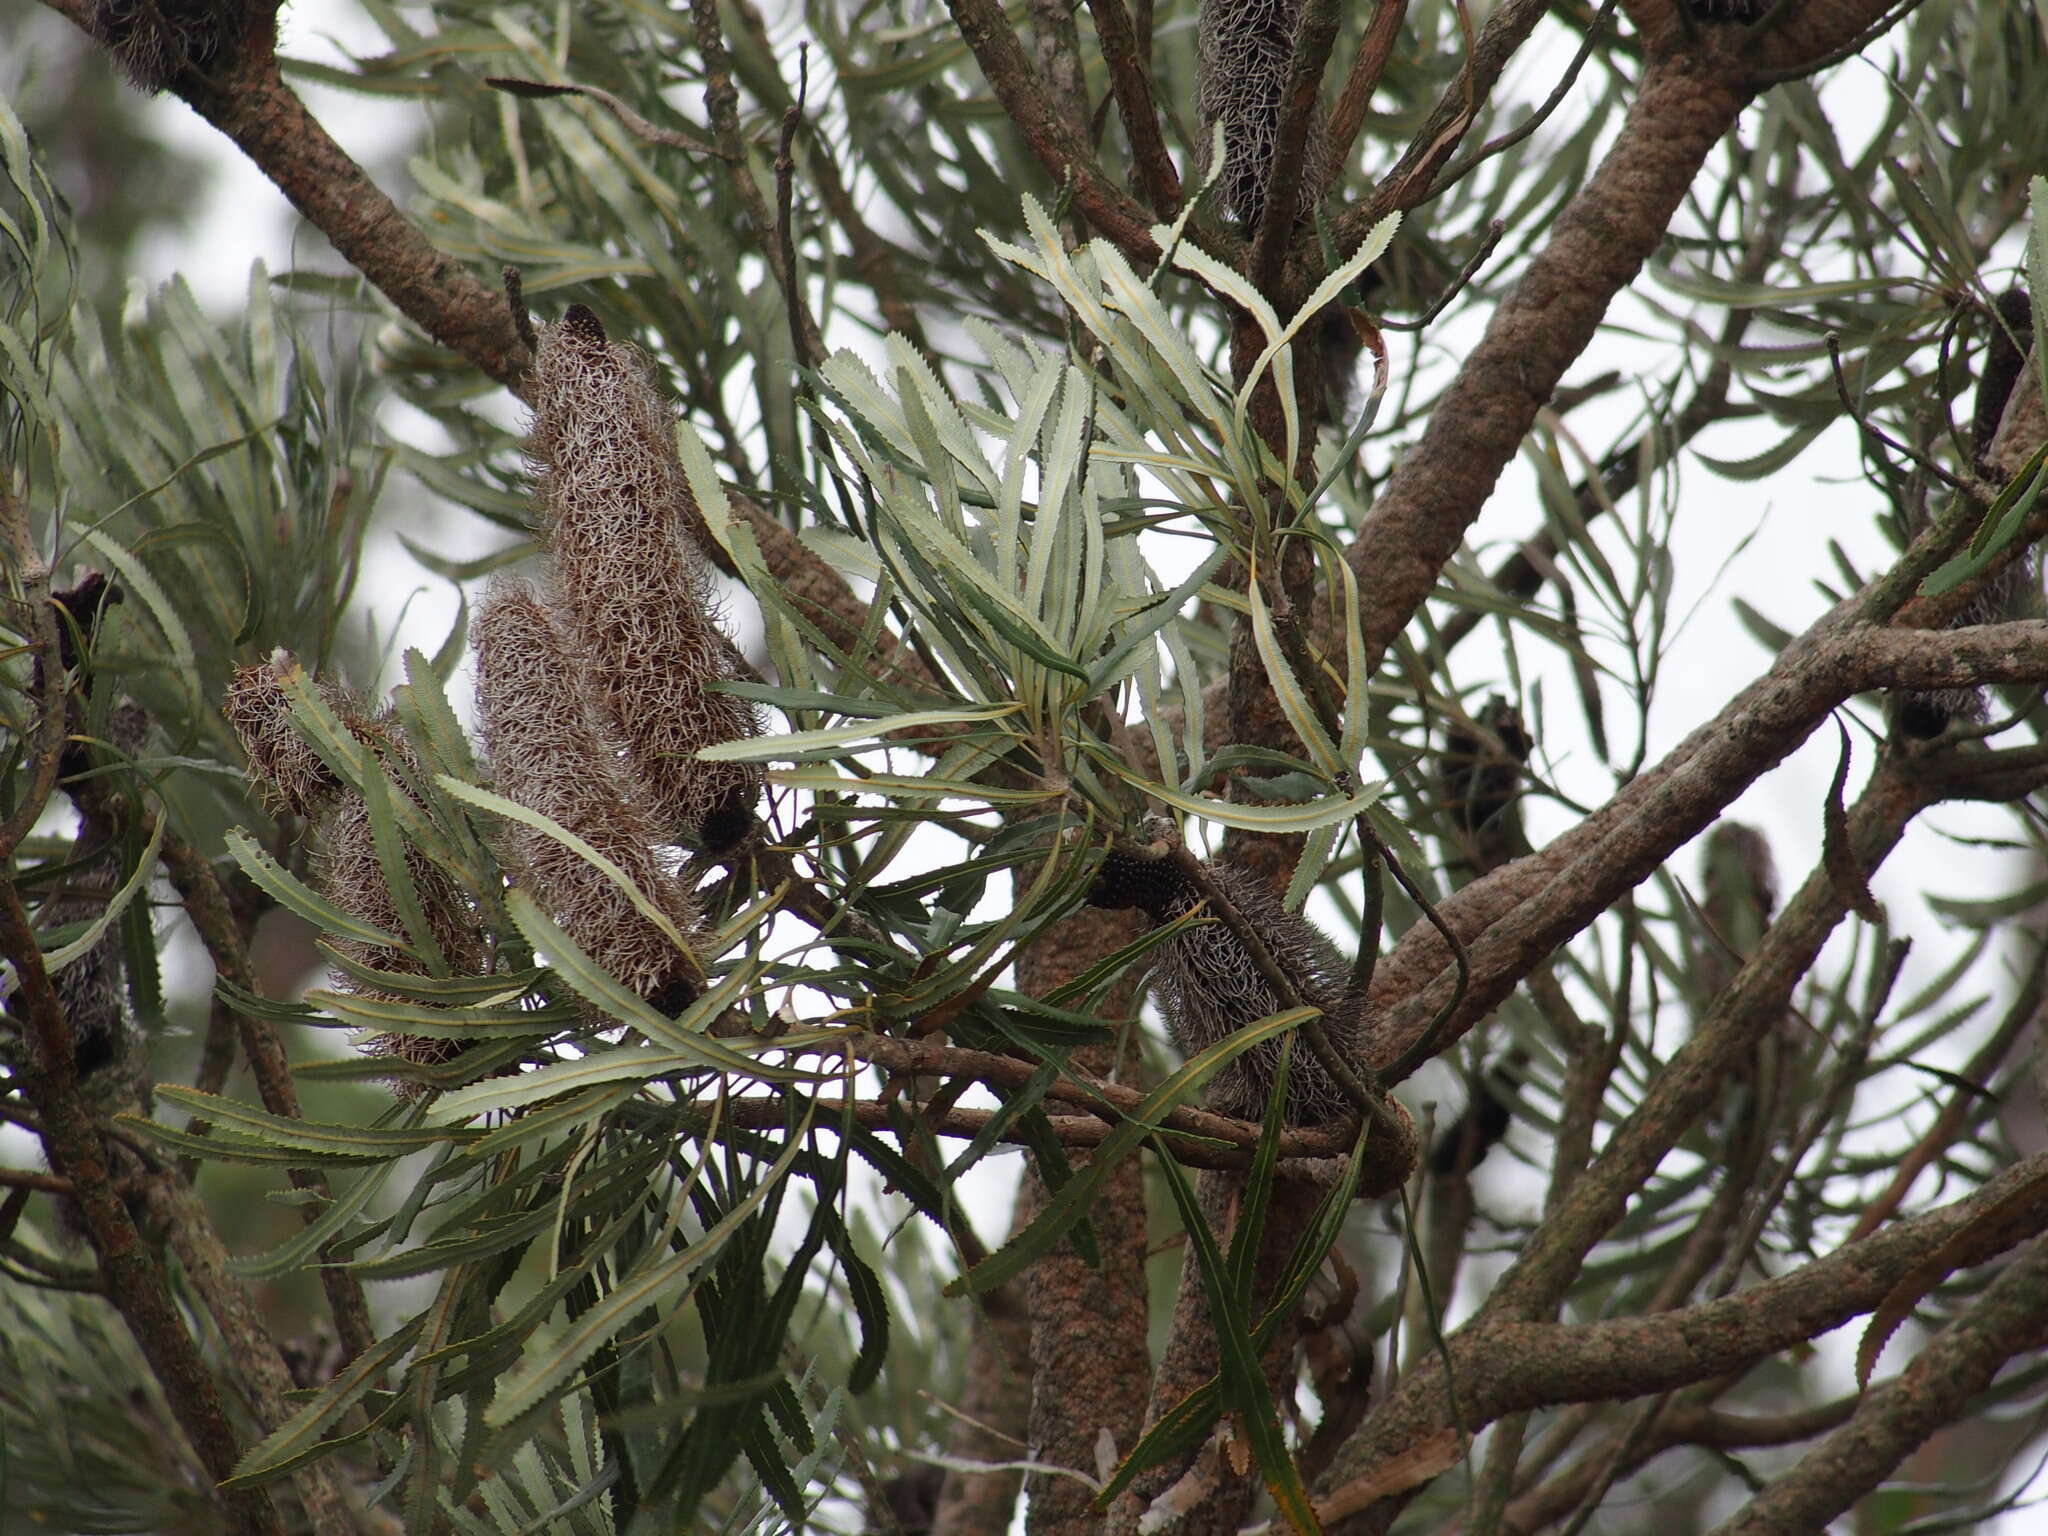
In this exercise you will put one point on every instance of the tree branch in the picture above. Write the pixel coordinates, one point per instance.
(1508, 1366)
(1368, 64)
(1596, 247)
(1290, 174)
(1030, 109)
(135, 1283)
(1131, 84)
(1892, 1420)
(1523, 912)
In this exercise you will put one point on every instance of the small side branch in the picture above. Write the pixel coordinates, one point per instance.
(1131, 84)
(1024, 100)
(1291, 174)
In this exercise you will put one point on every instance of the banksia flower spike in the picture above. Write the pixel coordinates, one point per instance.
(350, 873)
(282, 761)
(552, 752)
(1481, 773)
(92, 988)
(619, 516)
(1208, 986)
(1245, 48)
(155, 41)
(1738, 896)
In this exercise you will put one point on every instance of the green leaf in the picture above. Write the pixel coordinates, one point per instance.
(683, 1035)
(795, 746)
(648, 1286)
(1069, 1204)
(304, 1135)
(288, 891)
(145, 868)
(296, 1441)
(1244, 1383)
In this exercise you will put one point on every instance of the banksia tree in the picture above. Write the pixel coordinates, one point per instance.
(1128, 442)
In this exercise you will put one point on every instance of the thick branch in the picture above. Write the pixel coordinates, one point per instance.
(1503, 1367)
(1596, 248)
(250, 103)
(1532, 906)
(1894, 1419)
(135, 1282)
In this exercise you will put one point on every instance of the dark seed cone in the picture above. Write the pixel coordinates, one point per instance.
(2005, 354)
(1481, 773)
(155, 41)
(1742, 11)
(552, 752)
(1922, 716)
(1465, 1142)
(1208, 986)
(1244, 49)
(617, 511)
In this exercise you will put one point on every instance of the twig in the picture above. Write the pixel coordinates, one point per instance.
(1387, 1158)
(1407, 185)
(1428, 1043)
(692, 139)
(135, 1283)
(1847, 49)
(28, 1178)
(1287, 177)
(1875, 434)
(515, 302)
(785, 199)
(206, 904)
(1456, 285)
(1460, 169)
(986, 31)
(2019, 1020)
(721, 104)
(1368, 64)
(878, 262)
(1130, 83)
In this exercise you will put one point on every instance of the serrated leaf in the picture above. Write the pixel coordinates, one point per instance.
(295, 895)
